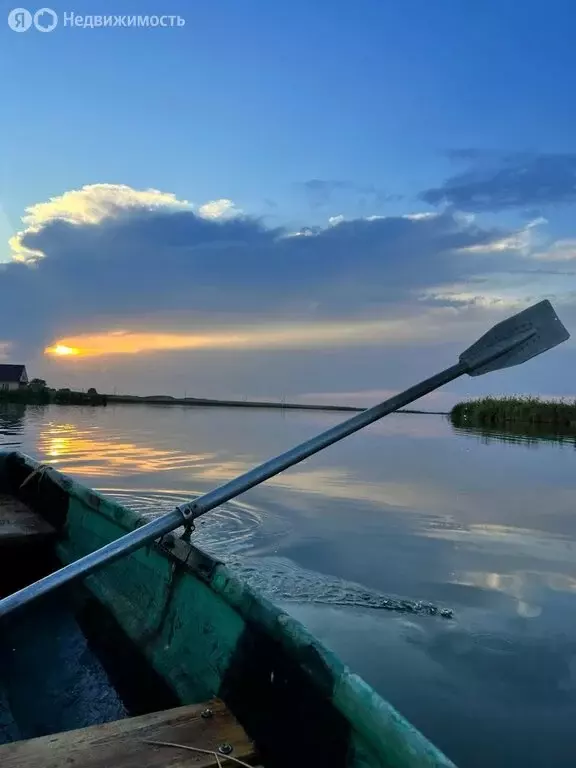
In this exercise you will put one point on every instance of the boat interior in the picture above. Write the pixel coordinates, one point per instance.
(75, 692)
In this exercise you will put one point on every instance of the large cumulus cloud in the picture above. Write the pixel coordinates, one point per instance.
(108, 257)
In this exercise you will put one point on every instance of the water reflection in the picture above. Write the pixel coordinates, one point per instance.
(412, 509)
(11, 422)
(527, 587)
(92, 452)
(525, 434)
(509, 541)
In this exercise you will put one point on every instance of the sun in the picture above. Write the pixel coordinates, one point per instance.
(61, 349)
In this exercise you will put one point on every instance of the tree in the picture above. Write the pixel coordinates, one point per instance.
(37, 384)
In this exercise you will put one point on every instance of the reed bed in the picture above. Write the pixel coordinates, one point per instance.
(524, 410)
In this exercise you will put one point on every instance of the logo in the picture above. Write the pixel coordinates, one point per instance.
(45, 20)
(20, 20)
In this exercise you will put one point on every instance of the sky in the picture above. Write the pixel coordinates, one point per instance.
(309, 200)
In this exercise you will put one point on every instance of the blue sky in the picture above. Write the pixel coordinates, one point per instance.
(304, 115)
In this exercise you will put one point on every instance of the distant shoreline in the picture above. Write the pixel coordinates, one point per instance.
(202, 401)
(70, 397)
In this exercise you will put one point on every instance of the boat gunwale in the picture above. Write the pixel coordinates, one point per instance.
(351, 694)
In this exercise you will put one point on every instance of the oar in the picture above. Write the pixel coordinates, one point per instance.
(511, 342)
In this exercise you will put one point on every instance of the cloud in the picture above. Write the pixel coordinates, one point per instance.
(321, 192)
(488, 299)
(89, 205)
(113, 271)
(95, 203)
(519, 241)
(560, 250)
(219, 209)
(495, 181)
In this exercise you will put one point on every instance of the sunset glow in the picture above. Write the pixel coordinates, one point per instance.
(294, 335)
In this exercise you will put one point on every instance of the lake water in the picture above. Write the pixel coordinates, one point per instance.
(409, 509)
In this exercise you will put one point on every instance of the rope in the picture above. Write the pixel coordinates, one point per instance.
(197, 749)
(40, 471)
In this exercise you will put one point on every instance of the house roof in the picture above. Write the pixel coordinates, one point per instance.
(11, 372)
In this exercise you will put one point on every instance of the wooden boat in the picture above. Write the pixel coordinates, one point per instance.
(190, 656)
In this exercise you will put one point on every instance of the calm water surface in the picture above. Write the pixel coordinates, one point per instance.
(408, 509)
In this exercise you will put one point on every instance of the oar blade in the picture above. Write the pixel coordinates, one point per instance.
(515, 340)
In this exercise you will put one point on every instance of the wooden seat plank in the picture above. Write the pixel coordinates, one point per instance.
(123, 743)
(19, 524)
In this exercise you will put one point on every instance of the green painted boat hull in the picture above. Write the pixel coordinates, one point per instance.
(206, 633)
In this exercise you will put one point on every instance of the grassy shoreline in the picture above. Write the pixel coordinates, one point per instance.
(494, 411)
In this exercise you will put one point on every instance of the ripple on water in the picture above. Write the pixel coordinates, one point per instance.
(227, 530)
(232, 533)
(279, 579)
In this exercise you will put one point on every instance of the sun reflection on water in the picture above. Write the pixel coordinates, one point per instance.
(91, 451)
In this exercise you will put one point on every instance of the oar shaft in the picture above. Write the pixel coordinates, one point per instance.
(274, 466)
(191, 511)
